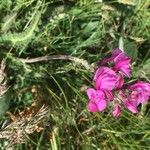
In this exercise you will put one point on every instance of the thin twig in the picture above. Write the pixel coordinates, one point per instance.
(59, 57)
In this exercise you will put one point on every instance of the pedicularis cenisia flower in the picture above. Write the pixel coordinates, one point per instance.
(109, 86)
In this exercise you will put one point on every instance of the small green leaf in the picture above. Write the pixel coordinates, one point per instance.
(91, 26)
(131, 49)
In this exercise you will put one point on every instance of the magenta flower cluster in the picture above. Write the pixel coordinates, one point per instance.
(110, 87)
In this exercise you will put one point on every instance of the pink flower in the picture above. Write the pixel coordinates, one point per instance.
(131, 105)
(122, 62)
(119, 82)
(140, 92)
(109, 95)
(109, 85)
(140, 85)
(105, 79)
(97, 100)
(116, 111)
(127, 99)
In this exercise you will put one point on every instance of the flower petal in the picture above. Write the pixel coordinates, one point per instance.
(123, 64)
(116, 111)
(91, 92)
(96, 100)
(105, 78)
(109, 95)
(101, 105)
(119, 82)
(92, 107)
(140, 91)
(116, 52)
(132, 106)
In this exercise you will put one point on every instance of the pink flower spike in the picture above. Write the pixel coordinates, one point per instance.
(105, 78)
(119, 82)
(132, 106)
(116, 111)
